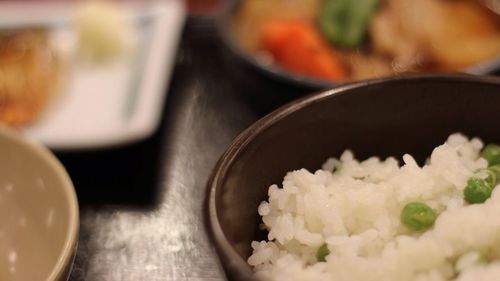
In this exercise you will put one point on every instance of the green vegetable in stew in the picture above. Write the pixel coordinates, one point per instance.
(417, 216)
(322, 253)
(344, 22)
(477, 191)
(491, 152)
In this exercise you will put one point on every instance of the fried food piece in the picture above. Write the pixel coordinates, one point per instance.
(29, 71)
(450, 34)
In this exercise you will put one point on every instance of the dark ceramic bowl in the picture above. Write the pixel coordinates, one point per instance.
(276, 84)
(387, 117)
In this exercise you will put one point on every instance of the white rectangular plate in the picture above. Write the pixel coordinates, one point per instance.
(112, 104)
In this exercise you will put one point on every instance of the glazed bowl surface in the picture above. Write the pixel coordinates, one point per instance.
(38, 212)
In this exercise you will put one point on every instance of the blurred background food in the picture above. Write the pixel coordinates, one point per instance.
(29, 74)
(36, 52)
(103, 31)
(341, 40)
(110, 62)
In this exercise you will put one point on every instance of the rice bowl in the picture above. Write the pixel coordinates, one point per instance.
(384, 118)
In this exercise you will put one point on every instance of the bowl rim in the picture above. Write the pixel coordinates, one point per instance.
(223, 22)
(66, 255)
(225, 250)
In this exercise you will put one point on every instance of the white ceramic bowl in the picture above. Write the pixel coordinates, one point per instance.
(38, 212)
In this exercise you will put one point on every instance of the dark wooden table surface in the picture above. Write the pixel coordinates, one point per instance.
(142, 205)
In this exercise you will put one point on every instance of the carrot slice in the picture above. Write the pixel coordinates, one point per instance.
(298, 47)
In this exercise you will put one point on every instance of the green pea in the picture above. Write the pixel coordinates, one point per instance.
(322, 253)
(493, 175)
(345, 22)
(477, 191)
(491, 179)
(495, 170)
(491, 153)
(417, 216)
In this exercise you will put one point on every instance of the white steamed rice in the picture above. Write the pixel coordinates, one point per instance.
(354, 207)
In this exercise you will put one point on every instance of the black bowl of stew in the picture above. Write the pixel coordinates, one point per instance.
(399, 37)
